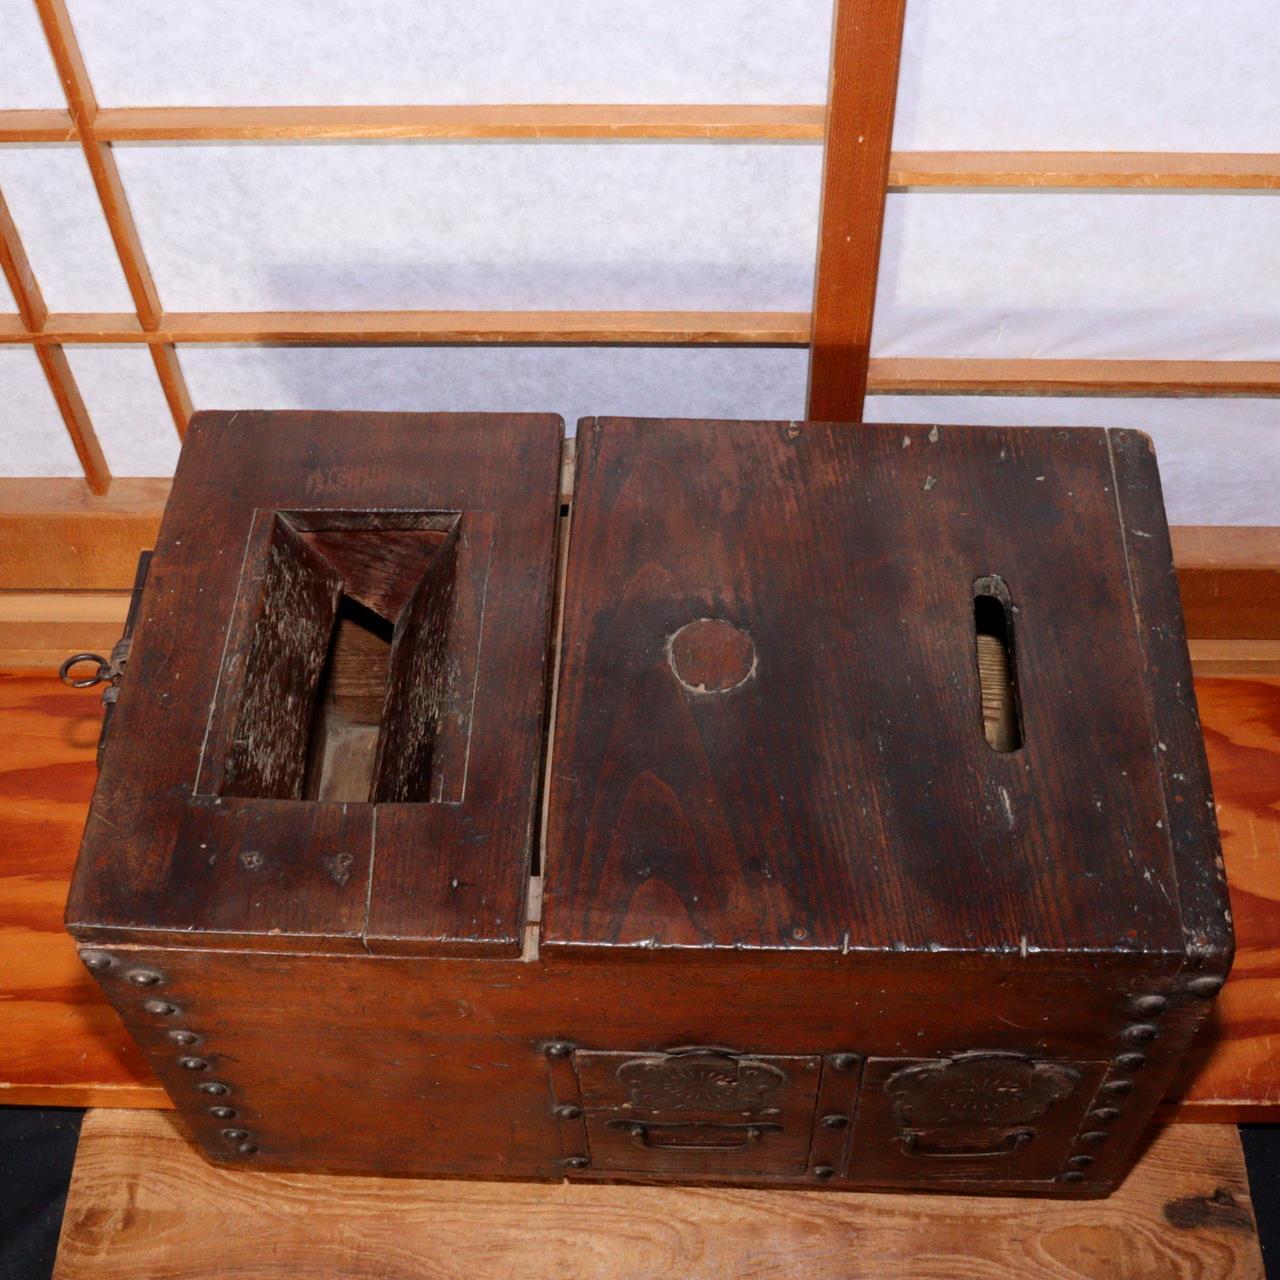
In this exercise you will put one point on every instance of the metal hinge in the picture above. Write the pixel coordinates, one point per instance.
(109, 671)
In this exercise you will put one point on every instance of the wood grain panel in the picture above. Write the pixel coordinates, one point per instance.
(144, 1203)
(1236, 1073)
(59, 1044)
(1229, 579)
(680, 819)
(57, 536)
(40, 628)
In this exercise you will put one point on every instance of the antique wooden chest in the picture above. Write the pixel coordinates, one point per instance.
(876, 846)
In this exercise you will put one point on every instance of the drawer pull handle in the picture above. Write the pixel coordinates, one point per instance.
(693, 1137)
(914, 1145)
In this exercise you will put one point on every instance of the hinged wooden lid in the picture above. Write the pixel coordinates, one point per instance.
(329, 734)
(838, 689)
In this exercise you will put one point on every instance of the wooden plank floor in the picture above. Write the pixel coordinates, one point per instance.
(144, 1203)
(60, 1044)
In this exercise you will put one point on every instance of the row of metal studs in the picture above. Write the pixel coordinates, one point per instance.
(241, 1140)
(1136, 1033)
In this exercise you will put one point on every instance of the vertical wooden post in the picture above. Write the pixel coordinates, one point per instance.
(866, 48)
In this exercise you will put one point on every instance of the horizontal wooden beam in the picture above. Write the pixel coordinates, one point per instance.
(57, 536)
(934, 375)
(1229, 579)
(744, 122)
(1097, 170)
(409, 328)
(896, 375)
(37, 126)
(533, 122)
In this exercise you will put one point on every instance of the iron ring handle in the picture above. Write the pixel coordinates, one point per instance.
(103, 675)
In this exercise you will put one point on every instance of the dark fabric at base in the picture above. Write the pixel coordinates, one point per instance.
(37, 1150)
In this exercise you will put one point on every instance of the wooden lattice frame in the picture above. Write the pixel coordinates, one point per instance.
(856, 124)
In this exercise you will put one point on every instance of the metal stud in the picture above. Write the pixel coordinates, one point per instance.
(1130, 1061)
(183, 1037)
(235, 1135)
(1071, 1175)
(223, 1113)
(1150, 1005)
(144, 977)
(247, 1148)
(161, 1008)
(1105, 1115)
(1141, 1033)
(823, 1172)
(1080, 1161)
(835, 1121)
(215, 1088)
(845, 1061)
(575, 1162)
(1205, 987)
(1117, 1088)
(193, 1064)
(1095, 1137)
(568, 1111)
(558, 1049)
(95, 961)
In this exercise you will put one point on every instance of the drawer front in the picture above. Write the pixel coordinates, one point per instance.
(992, 1117)
(699, 1112)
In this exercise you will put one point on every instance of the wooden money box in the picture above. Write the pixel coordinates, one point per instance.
(859, 835)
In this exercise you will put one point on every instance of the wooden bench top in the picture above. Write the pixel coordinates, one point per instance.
(60, 1044)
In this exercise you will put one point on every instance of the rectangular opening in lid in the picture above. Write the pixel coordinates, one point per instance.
(350, 664)
(997, 664)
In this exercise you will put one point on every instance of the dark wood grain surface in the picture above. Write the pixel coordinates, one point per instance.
(443, 876)
(842, 795)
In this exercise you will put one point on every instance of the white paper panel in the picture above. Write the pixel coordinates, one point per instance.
(7, 303)
(27, 75)
(290, 51)
(575, 382)
(1106, 74)
(1109, 75)
(127, 409)
(594, 226)
(1219, 459)
(51, 197)
(33, 441)
(1161, 275)
(1164, 275)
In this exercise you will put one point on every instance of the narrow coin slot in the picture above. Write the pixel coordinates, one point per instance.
(997, 664)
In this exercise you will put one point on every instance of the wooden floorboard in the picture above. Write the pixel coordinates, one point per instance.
(143, 1202)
